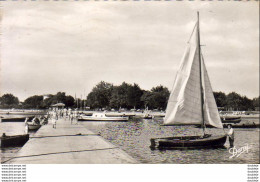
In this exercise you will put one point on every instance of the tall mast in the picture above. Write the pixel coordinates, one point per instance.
(201, 86)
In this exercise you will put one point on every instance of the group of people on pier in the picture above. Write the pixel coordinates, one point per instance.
(64, 113)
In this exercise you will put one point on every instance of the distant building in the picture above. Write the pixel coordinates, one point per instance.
(46, 97)
(58, 105)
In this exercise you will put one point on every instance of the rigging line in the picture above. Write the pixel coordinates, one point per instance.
(192, 31)
(52, 153)
(68, 135)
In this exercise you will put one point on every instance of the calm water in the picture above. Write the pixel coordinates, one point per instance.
(134, 138)
(11, 128)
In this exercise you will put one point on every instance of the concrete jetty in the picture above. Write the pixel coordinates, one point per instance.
(69, 144)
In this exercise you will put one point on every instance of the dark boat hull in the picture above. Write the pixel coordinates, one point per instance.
(12, 141)
(148, 117)
(231, 119)
(240, 125)
(20, 119)
(243, 125)
(188, 142)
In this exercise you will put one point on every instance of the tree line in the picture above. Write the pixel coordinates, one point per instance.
(235, 102)
(129, 96)
(8, 101)
(107, 96)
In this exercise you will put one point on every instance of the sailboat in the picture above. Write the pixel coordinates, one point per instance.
(192, 102)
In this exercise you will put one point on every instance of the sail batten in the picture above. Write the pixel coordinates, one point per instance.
(188, 95)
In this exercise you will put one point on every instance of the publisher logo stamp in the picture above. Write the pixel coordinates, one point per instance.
(236, 152)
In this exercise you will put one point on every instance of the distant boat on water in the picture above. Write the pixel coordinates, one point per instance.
(102, 117)
(22, 112)
(230, 119)
(192, 102)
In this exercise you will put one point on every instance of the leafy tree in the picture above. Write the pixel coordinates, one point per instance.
(69, 101)
(38, 102)
(134, 94)
(147, 99)
(34, 102)
(126, 96)
(234, 101)
(246, 104)
(156, 98)
(221, 99)
(255, 102)
(8, 101)
(100, 95)
(117, 97)
(160, 96)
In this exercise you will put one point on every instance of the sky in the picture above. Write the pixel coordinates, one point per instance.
(52, 46)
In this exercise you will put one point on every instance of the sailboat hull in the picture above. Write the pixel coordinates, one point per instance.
(188, 142)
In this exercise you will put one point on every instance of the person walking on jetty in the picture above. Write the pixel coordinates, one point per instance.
(70, 115)
(75, 116)
(26, 129)
(231, 136)
(54, 118)
(64, 113)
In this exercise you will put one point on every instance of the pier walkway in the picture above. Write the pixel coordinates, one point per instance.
(64, 145)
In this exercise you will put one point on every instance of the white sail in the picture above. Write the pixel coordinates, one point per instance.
(211, 114)
(184, 104)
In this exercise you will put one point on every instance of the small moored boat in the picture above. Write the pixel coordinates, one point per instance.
(32, 127)
(190, 142)
(230, 119)
(12, 141)
(15, 119)
(35, 124)
(102, 117)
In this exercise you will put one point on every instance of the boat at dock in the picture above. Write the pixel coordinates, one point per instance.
(33, 127)
(102, 117)
(13, 141)
(130, 115)
(15, 119)
(192, 102)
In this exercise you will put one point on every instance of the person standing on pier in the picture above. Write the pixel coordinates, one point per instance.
(231, 136)
(76, 115)
(26, 130)
(54, 118)
(70, 115)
